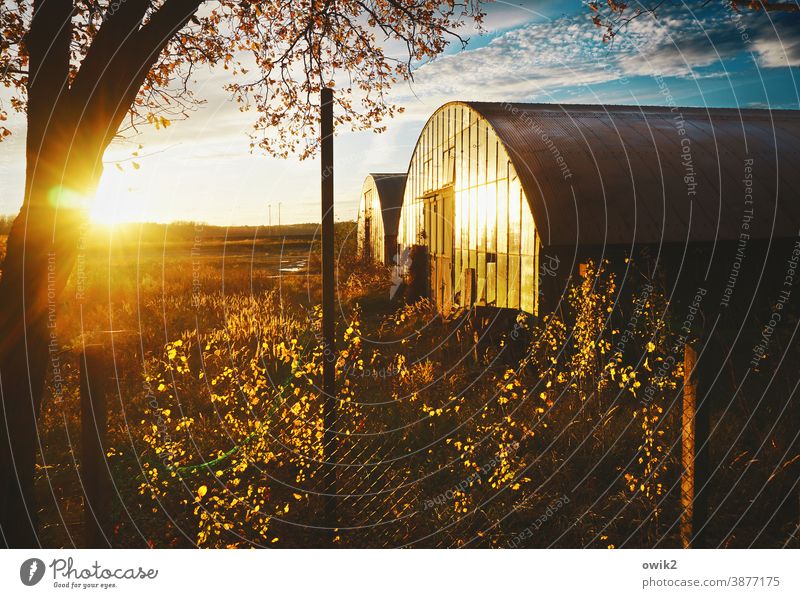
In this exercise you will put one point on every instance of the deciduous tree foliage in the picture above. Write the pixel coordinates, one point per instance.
(85, 71)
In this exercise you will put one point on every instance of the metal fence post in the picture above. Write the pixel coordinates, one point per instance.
(328, 307)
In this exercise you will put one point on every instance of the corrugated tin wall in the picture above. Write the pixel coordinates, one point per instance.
(615, 175)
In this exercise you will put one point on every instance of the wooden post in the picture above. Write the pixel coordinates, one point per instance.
(328, 307)
(710, 362)
(694, 455)
(688, 444)
(94, 470)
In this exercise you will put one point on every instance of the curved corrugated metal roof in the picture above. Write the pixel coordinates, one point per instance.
(390, 186)
(622, 174)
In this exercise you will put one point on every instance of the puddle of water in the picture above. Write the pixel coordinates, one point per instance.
(297, 266)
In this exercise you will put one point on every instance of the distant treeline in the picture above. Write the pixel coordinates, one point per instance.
(188, 230)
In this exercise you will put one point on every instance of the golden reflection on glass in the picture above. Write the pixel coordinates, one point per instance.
(463, 192)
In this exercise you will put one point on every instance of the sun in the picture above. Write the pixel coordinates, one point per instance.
(102, 214)
(112, 206)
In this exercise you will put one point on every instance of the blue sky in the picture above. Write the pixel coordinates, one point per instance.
(202, 168)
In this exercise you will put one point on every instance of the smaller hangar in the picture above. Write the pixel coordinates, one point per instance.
(379, 215)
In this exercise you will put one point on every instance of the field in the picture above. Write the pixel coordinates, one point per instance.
(470, 431)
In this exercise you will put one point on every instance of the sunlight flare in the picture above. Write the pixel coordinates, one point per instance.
(112, 205)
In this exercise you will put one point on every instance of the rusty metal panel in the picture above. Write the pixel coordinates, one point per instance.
(598, 175)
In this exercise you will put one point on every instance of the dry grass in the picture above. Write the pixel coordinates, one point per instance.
(469, 431)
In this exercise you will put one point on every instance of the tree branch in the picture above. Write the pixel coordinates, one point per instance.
(47, 44)
(107, 85)
(117, 29)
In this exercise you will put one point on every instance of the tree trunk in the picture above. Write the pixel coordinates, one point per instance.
(41, 251)
(69, 128)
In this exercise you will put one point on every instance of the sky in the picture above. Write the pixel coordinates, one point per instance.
(202, 169)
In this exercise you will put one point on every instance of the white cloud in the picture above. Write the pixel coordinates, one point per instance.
(777, 52)
(539, 58)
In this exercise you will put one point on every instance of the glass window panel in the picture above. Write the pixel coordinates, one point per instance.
(449, 222)
(433, 237)
(406, 232)
(437, 151)
(502, 216)
(428, 173)
(414, 174)
(481, 215)
(527, 289)
(481, 152)
(437, 213)
(420, 221)
(491, 218)
(427, 227)
(481, 290)
(435, 234)
(457, 222)
(447, 166)
(461, 150)
(473, 218)
(412, 222)
(441, 227)
(514, 221)
(473, 150)
(491, 283)
(502, 280)
(443, 242)
(513, 281)
(405, 226)
(459, 157)
(465, 231)
(440, 148)
(451, 124)
(502, 163)
(528, 231)
(486, 208)
(491, 156)
(457, 271)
